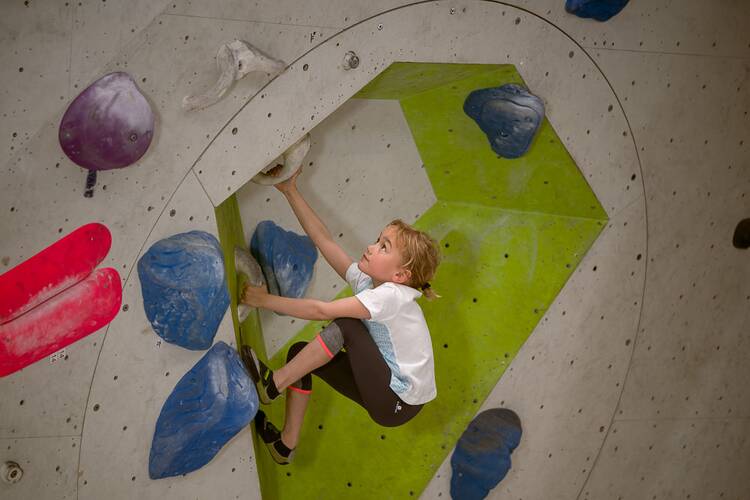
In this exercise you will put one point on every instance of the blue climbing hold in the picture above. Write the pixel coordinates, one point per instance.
(482, 455)
(510, 116)
(286, 259)
(207, 407)
(184, 289)
(601, 10)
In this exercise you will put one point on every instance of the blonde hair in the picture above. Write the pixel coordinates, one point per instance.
(421, 256)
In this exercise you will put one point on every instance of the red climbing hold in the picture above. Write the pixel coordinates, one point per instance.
(52, 270)
(53, 299)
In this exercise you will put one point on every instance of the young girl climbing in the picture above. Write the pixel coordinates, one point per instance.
(387, 366)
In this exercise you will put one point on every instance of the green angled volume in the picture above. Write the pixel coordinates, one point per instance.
(401, 80)
(231, 235)
(511, 233)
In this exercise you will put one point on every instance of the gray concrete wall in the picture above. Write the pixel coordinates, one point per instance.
(632, 385)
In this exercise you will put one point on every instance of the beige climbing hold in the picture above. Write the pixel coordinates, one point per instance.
(234, 60)
(285, 165)
(245, 263)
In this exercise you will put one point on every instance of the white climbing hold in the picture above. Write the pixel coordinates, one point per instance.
(234, 60)
(286, 165)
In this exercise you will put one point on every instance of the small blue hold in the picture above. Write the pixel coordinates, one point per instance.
(209, 405)
(184, 288)
(509, 115)
(482, 455)
(601, 10)
(286, 259)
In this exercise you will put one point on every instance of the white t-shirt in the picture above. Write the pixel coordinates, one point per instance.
(400, 331)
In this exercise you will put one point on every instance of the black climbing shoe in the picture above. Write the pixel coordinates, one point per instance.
(261, 375)
(272, 438)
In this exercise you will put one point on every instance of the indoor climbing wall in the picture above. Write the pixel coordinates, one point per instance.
(628, 382)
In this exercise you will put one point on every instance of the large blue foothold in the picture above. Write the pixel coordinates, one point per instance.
(184, 288)
(482, 455)
(207, 407)
(509, 115)
(286, 259)
(601, 10)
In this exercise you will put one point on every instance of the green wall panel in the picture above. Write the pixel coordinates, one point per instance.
(231, 235)
(511, 233)
(401, 79)
(489, 306)
(545, 179)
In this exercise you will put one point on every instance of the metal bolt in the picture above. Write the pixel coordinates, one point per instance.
(11, 472)
(351, 60)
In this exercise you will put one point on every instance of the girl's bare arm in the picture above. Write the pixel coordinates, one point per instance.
(349, 307)
(317, 231)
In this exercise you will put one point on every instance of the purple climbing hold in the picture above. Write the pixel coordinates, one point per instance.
(509, 115)
(482, 455)
(601, 10)
(109, 125)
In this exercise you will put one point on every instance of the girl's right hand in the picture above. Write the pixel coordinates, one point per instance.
(254, 296)
(290, 184)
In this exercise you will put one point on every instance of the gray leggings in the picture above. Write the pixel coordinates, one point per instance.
(359, 373)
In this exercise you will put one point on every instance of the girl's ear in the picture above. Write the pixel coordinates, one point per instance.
(403, 276)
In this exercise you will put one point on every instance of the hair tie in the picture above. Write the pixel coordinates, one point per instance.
(425, 286)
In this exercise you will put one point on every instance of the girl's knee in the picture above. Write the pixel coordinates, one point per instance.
(350, 328)
(332, 338)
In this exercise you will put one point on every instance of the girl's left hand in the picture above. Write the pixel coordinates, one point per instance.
(254, 295)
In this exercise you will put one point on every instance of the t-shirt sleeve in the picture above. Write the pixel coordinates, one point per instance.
(382, 302)
(356, 278)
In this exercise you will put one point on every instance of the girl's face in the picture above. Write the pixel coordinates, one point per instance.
(382, 260)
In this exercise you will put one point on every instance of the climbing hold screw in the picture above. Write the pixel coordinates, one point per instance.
(11, 472)
(351, 60)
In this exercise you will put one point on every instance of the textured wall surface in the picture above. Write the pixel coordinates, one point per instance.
(632, 384)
